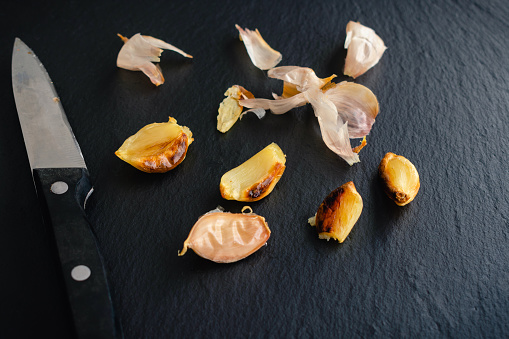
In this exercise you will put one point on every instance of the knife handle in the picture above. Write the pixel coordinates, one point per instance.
(63, 192)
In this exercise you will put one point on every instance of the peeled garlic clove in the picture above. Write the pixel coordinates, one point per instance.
(262, 55)
(140, 51)
(400, 178)
(338, 213)
(157, 148)
(255, 178)
(227, 237)
(230, 109)
(365, 48)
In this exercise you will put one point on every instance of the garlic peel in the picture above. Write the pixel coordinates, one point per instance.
(140, 51)
(261, 54)
(365, 48)
(334, 130)
(355, 104)
(297, 79)
(225, 237)
(157, 147)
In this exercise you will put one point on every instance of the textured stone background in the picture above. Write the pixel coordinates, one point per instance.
(437, 267)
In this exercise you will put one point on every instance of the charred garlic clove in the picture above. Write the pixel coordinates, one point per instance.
(255, 178)
(400, 178)
(227, 237)
(338, 213)
(157, 148)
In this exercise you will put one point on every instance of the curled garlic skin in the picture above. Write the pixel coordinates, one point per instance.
(225, 237)
(344, 111)
(400, 178)
(157, 147)
(262, 55)
(140, 51)
(365, 48)
(338, 213)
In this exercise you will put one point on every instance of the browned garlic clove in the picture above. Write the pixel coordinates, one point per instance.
(157, 148)
(255, 178)
(227, 237)
(400, 178)
(338, 213)
(230, 109)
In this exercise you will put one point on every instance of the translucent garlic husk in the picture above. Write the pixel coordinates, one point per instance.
(140, 51)
(365, 48)
(344, 111)
(225, 237)
(256, 177)
(400, 178)
(338, 213)
(262, 55)
(157, 147)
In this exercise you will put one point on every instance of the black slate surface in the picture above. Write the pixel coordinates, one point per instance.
(435, 268)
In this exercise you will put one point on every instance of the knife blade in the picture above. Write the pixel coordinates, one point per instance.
(62, 184)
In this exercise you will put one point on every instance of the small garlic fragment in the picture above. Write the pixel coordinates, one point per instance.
(227, 237)
(230, 109)
(365, 48)
(256, 177)
(400, 178)
(338, 213)
(157, 147)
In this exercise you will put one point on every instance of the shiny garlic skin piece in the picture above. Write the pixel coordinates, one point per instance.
(157, 147)
(256, 177)
(400, 178)
(227, 237)
(338, 213)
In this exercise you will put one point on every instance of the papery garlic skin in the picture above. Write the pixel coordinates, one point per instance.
(140, 51)
(334, 130)
(365, 48)
(297, 79)
(355, 104)
(262, 55)
(227, 237)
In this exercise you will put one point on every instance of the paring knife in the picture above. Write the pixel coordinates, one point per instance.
(61, 179)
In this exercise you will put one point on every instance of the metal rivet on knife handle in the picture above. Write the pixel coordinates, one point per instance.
(80, 273)
(59, 187)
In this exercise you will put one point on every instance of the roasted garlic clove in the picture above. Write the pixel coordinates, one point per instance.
(157, 148)
(255, 178)
(338, 213)
(227, 237)
(230, 109)
(400, 178)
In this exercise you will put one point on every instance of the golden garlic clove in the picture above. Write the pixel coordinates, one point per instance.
(338, 213)
(157, 148)
(227, 237)
(255, 178)
(400, 178)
